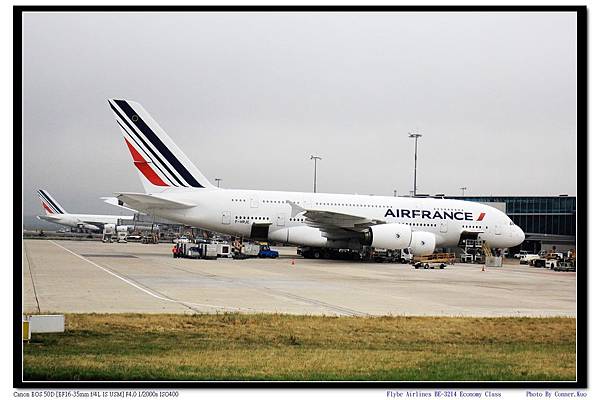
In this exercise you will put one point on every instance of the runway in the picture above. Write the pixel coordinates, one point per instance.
(83, 277)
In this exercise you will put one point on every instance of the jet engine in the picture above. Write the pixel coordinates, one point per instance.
(83, 226)
(422, 243)
(389, 236)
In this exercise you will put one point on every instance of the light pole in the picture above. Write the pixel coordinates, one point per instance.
(218, 180)
(315, 177)
(463, 190)
(416, 136)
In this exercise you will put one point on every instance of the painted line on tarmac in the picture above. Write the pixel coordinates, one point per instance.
(146, 290)
(29, 265)
(276, 293)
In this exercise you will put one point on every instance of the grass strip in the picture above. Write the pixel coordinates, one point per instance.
(287, 347)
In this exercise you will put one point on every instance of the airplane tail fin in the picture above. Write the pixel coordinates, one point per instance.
(50, 205)
(160, 163)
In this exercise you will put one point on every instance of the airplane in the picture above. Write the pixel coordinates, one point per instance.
(56, 214)
(175, 189)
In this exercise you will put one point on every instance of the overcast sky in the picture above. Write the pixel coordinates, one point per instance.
(250, 96)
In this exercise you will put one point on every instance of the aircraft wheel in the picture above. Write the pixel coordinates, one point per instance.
(426, 266)
(317, 254)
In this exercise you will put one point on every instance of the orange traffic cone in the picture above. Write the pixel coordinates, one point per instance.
(482, 267)
(293, 261)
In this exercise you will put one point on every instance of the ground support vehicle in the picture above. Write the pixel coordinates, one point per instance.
(188, 250)
(566, 265)
(223, 250)
(386, 255)
(441, 260)
(109, 233)
(208, 251)
(552, 260)
(319, 252)
(266, 252)
(466, 258)
(521, 254)
(383, 255)
(242, 251)
(183, 250)
(539, 263)
(182, 239)
(150, 239)
(528, 259)
(405, 257)
(365, 254)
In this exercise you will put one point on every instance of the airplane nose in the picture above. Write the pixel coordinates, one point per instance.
(520, 235)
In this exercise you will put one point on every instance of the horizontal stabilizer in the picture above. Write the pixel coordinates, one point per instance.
(141, 201)
(117, 203)
(50, 217)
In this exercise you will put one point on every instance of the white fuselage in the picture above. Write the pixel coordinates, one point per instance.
(234, 212)
(84, 221)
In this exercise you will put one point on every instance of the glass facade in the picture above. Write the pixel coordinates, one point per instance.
(534, 214)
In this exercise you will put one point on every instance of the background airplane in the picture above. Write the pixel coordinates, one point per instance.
(177, 190)
(54, 212)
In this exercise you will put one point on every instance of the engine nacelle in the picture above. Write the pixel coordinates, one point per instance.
(302, 235)
(389, 236)
(422, 243)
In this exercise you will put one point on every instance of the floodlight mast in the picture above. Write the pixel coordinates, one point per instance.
(416, 136)
(315, 174)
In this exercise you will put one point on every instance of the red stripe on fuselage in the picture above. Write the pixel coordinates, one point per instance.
(144, 167)
(481, 216)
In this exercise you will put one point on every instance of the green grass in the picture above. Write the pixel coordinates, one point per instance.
(285, 347)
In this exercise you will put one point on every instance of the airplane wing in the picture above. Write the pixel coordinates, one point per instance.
(150, 201)
(333, 223)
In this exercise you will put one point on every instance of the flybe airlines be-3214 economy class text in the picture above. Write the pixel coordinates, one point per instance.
(177, 190)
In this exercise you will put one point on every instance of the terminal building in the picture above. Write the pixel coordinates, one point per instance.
(548, 221)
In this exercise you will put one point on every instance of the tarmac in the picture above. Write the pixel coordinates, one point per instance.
(66, 276)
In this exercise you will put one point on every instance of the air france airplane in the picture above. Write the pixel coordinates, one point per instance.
(175, 189)
(55, 213)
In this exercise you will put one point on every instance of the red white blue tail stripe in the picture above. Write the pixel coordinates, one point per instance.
(50, 205)
(155, 155)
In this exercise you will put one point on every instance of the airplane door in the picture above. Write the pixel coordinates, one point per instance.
(226, 217)
(280, 219)
(253, 202)
(498, 229)
(443, 227)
